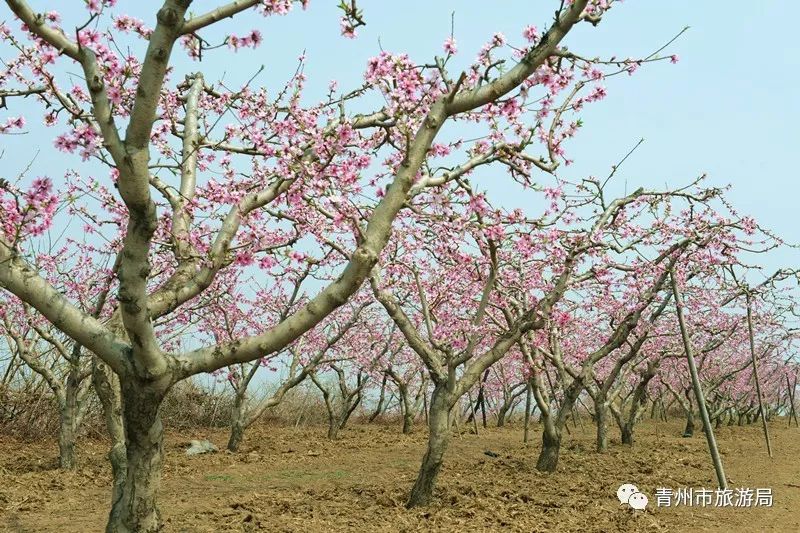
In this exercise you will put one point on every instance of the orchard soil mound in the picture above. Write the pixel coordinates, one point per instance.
(287, 479)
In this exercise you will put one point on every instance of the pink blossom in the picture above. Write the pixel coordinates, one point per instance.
(530, 33)
(450, 46)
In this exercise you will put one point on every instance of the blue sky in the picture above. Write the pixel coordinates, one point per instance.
(727, 108)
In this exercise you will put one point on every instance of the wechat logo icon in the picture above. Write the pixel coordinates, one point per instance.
(629, 494)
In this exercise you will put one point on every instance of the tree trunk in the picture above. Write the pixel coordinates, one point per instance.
(528, 394)
(689, 430)
(66, 437)
(407, 410)
(333, 427)
(638, 403)
(348, 409)
(601, 418)
(551, 446)
(438, 438)
(482, 401)
(136, 510)
(552, 422)
(627, 434)
(237, 436)
(106, 385)
(379, 407)
(408, 422)
(501, 414)
(69, 421)
(238, 424)
(653, 407)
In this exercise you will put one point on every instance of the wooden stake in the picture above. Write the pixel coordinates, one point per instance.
(792, 413)
(755, 375)
(698, 390)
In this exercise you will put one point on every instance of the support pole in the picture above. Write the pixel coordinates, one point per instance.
(698, 391)
(792, 413)
(755, 375)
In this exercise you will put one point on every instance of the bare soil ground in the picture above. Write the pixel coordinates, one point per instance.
(295, 480)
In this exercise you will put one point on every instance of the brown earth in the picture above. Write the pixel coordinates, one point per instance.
(295, 480)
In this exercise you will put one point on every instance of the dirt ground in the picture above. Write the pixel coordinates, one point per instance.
(295, 480)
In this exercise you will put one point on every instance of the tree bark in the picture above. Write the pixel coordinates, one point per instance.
(66, 437)
(106, 385)
(236, 437)
(551, 435)
(689, 430)
(69, 420)
(407, 410)
(601, 419)
(438, 439)
(333, 428)
(238, 424)
(408, 421)
(381, 399)
(501, 414)
(638, 403)
(136, 510)
(528, 394)
(627, 434)
(551, 447)
(349, 408)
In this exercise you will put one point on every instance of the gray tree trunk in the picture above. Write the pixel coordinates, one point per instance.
(408, 422)
(438, 439)
(689, 430)
(406, 407)
(502, 413)
(381, 399)
(238, 423)
(551, 447)
(66, 437)
(601, 419)
(528, 395)
(106, 385)
(136, 510)
(69, 421)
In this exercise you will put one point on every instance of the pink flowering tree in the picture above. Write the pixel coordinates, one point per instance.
(209, 178)
(342, 395)
(64, 365)
(356, 350)
(470, 284)
(403, 370)
(232, 315)
(502, 389)
(718, 321)
(619, 298)
(644, 349)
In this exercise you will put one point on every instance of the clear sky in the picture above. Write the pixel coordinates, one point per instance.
(728, 108)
